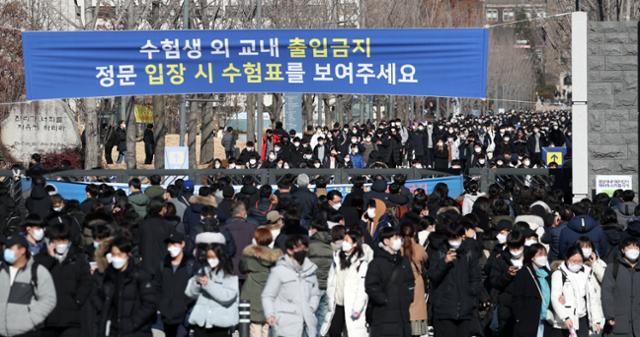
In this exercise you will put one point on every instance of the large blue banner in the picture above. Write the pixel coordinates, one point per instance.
(420, 62)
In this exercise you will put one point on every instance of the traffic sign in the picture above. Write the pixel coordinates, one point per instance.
(554, 155)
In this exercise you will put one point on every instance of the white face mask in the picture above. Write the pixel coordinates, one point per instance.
(502, 238)
(272, 157)
(336, 206)
(286, 167)
(174, 251)
(346, 246)
(574, 267)
(109, 258)
(516, 253)
(57, 209)
(37, 234)
(62, 248)
(232, 166)
(530, 242)
(371, 213)
(118, 262)
(540, 261)
(455, 244)
(396, 244)
(213, 263)
(277, 149)
(316, 165)
(252, 161)
(217, 165)
(632, 254)
(587, 252)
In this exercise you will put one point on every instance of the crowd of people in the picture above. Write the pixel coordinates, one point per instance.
(509, 139)
(379, 261)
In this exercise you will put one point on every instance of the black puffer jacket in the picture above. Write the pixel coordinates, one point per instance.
(389, 284)
(174, 304)
(130, 301)
(73, 284)
(455, 285)
(153, 231)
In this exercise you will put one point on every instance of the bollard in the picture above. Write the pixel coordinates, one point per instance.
(245, 318)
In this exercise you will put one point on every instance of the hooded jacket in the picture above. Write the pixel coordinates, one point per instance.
(256, 263)
(39, 202)
(561, 285)
(583, 225)
(355, 296)
(23, 306)
(139, 201)
(321, 254)
(292, 296)
(154, 191)
(191, 217)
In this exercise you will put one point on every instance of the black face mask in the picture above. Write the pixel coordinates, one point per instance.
(300, 256)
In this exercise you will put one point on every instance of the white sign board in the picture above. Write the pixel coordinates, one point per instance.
(609, 184)
(39, 127)
(175, 158)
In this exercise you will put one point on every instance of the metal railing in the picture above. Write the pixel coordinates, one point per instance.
(263, 176)
(519, 176)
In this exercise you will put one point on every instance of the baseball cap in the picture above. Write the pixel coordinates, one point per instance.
(273, 217)
(175, 237)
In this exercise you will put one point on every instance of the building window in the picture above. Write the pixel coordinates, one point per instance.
(492, 15)
(508, 15)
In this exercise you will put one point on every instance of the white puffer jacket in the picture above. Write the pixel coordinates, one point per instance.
(562, 286)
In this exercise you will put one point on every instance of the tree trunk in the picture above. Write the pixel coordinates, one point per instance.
(192, 128)
(251, 117)
(132, 133)
(308, 108)
(159, 130)
(276, 108)
(328, 116)
(339, 109)
(206, 134)
(92, 151)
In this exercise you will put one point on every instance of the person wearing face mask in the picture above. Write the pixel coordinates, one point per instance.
(375, 219)
(441, 156)
(576, 296)
(24, 306)
(355, 157)
(591, 258)
(346, 288)
(455, 280)
(69, 270)
(214, 288)
(502, 271)
(271, 162)
(291, 296)
(257, 260)
(39, 202)
(531, 295)
(34, 233)
(620, 291)
(390, 286)
(321, 151)
(129, 295)
(367, 147)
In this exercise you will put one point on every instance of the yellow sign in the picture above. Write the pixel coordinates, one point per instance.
(144, 114)
(554, 157)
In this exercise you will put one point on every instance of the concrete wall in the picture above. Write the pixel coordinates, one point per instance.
(613, 100)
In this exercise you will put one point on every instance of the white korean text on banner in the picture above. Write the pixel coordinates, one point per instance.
(418, 62)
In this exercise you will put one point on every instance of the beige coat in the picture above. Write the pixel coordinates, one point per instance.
(418, 308)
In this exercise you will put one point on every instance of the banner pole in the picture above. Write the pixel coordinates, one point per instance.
(183, 98)
(259, 96)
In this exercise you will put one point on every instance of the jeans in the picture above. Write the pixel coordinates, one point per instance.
(323, 307)
(121, 156)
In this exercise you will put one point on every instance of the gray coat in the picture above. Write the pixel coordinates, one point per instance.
(621, 298)
(21, 311)
(228, 141)
(292, 296)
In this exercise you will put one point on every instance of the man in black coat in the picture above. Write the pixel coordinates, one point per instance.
(177, 269)
(389, 284)
(39, 202)
(69, 269)
(154, 229)
(306, 200)
(121, 141)
(149, 144)
(128, 297)
(455, 279)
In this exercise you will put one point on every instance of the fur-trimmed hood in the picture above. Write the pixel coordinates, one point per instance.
(262, 253)
(205, 201)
